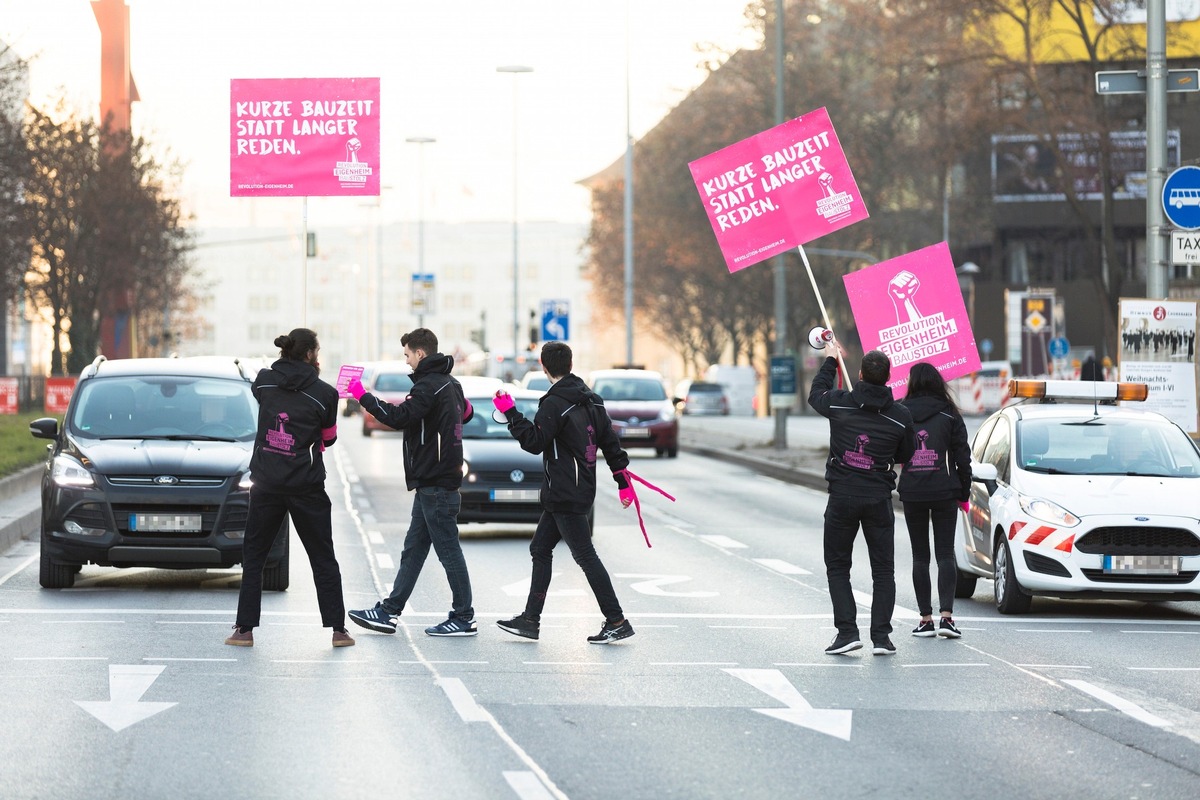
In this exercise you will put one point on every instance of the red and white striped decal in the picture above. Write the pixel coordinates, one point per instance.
(1041, 536)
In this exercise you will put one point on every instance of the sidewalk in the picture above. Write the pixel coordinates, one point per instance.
(20, 506)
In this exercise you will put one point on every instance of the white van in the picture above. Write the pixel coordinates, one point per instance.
(741, 384)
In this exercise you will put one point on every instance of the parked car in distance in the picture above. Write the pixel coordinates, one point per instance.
(535, 381)
(741, 386)
(350, 406)
(701, 398)
(390, 381)
(150, 468)
(642, 414)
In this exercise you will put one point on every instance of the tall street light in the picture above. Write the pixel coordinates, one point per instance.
(421, 141)
(515, 70)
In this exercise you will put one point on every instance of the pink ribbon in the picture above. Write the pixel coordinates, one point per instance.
(630, 477)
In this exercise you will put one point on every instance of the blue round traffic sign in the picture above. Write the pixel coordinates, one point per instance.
(1059, 347)
(1181, 198)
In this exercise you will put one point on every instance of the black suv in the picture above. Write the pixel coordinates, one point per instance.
(151, 469)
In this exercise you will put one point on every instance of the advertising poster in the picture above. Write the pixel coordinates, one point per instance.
(58, 394)
(911, 308)
(777, 190)
(1158, 348)
(304, 137)
(9, 396)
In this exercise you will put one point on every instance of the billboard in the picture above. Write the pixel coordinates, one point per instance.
(1158, 348)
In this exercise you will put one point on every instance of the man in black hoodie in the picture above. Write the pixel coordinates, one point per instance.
(431, 417)
(869, 433)
(297, 420)
(570, 425)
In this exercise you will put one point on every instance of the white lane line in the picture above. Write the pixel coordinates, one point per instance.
(1047, 630)
(22, 566)
(965, 664)
(724, 542)
(1120, 704)
(1165, 669)
(441, 662)
(693, 663)
(83, 622)
(164, 658)
(374, 537)
(749, 627)
(526, 785)
(644, 625)
(780, 566)
(319, 661)
(898, 612)
(1166, 633)
(385, 561)
(190, 622)
(569, 663)
(60, 658)
(1053, 666)
(462, 700)
(817, 664)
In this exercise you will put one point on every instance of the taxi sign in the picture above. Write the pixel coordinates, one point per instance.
(1181, 198)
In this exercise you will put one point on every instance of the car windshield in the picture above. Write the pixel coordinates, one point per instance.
(482, 426)
(625, 390)
(1106, 447)
(392, 382)
(165, 407)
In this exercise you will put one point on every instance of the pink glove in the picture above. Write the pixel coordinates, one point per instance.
(626, 496)
(503, 402)
(355, 388)
(965, 505)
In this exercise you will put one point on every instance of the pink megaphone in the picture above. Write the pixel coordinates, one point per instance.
(818, 337)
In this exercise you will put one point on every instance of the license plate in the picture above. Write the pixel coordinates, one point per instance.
(165, 523)
(1142, 565)
(515, 495)
(636, 433)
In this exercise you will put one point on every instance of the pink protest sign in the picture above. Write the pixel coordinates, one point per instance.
(347, 373)
(911, 308)
(777, 190)
(304, 137)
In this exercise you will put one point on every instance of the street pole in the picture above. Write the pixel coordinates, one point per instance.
(421, 141)
(515, 70)
(1156, 148)
(781, 413)
(628, 206)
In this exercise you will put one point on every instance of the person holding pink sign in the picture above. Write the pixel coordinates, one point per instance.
(869, 433)
(935, 482)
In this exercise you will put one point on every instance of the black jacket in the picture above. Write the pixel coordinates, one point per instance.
(431, 417)
(940, 467)
(570, 424)
(869, 433)
(297, 419)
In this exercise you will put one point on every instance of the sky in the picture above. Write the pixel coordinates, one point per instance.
(437, 65)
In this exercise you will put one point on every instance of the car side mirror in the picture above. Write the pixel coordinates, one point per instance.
(44, 428)
(985, 474)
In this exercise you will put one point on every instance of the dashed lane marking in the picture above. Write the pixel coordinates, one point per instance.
(374, 537)
(724, 542)
(526, 785)
(781, 566)
(1120, 704)
(462, 700)
(385, 561)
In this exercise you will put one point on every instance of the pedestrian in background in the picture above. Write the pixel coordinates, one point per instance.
(569, 427)
(297, 420)
(431, 418)
(1090, 370)
(934, 483)
(869, 433)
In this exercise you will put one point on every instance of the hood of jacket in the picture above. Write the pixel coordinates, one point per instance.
(573, 390)
(436, 364)
(295, 375)
(872, 397)
(924, 407)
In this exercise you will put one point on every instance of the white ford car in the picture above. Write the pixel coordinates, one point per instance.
(1075, 496)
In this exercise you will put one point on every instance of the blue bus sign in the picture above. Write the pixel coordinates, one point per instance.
(1181, 198)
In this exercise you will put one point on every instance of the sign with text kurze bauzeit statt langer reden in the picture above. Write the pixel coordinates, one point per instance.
(778, 190)
(304, 137)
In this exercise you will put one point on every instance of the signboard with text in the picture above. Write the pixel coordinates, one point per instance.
(778, 190)
(10, 399)
(1158, 348)
(58, 394)
(304, 137)
(911, 308)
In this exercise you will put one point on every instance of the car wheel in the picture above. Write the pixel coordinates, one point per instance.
(365, 430)
(964, 584)
(55, 576)
(672, 452)
(1010, 597)
(277, 576)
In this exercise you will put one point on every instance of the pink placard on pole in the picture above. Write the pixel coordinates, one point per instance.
(911, 308)
(304, 137)
(347, 373)
(777, 190)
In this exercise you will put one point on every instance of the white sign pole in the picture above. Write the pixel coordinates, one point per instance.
(824, 313)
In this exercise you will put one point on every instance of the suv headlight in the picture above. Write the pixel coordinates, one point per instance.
(67, 471)
(244, 483)
(1048, 512)
(466, 472)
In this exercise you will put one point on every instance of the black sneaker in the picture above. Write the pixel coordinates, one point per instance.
(454, 627)
(376, 619)
(884, 647)
(925, 629)
(612, 632)
(843, 644)
(520, 625)
(947, 629)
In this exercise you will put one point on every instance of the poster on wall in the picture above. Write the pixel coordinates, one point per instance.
(911, 308)
(304, 137)
(1158, 348)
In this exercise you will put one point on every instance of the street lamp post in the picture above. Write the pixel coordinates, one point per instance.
(515, 70)
(966, 282)
(421, 141)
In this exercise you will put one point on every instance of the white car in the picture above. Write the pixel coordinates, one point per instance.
(1074, 496)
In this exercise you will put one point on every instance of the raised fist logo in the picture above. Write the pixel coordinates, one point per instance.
(860, 444)
(352, 148)
(903, 288)
(826, 184)
(922, 438)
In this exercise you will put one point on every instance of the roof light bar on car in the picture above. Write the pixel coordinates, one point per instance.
(1078, 390)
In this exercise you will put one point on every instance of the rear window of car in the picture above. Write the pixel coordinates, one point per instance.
(393, 382)
(706, 388)
(618, 390)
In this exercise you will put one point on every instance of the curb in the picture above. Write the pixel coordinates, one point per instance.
(762, 466)
(19, 517)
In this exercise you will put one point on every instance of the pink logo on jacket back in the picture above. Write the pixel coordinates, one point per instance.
(590, 453)
(923, 458)
(857, 458)
(278, 439)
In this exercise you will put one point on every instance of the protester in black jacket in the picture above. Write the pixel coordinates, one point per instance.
(571, 424)
(935, 482)
(431, 418)
(297, 420)
(869, 434)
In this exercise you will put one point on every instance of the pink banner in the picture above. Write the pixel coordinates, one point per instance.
(304, 137)
(777, 190)
(911, 308)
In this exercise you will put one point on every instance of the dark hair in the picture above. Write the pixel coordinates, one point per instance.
(297, 344)
(925, 381)
(420, 339)
(556, 359)
(876, 367)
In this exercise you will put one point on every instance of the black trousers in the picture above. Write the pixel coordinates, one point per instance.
(944, 515)
(552, 528)
(843, 516)
(312, 516)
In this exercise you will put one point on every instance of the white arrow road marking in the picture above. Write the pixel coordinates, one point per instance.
(126, 685)
(654, 583)
(521, 589)
(832, 722)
